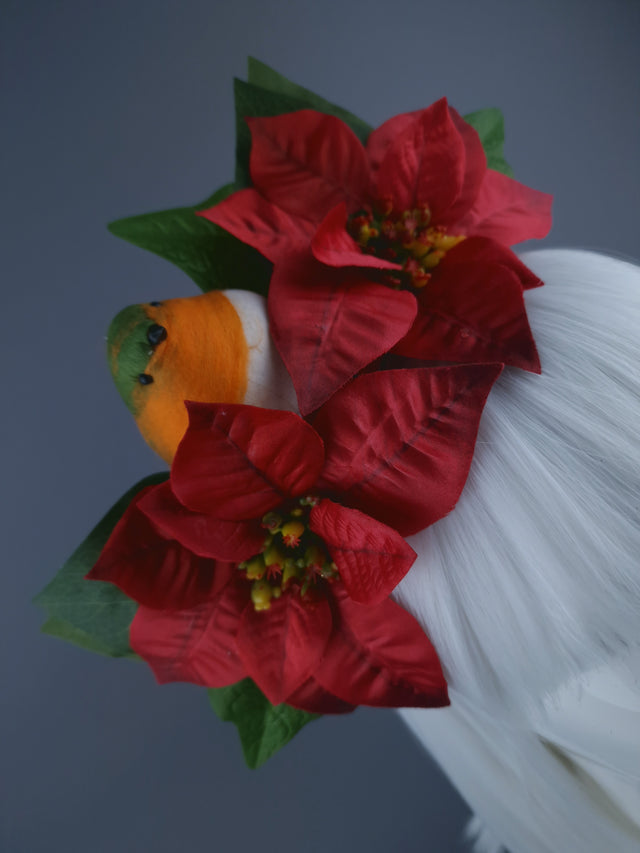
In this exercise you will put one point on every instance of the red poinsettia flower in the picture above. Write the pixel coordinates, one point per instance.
(271, 551)
(403, 243)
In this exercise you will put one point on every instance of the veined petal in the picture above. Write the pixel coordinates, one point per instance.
(399, 443)
(254, 220)
(332, 245)
(425, 163)
(484, 250)
(156, 572)
(379, 655)
(472, 313)
(307, 162)
(197, 645)
(313, 698)
(475, 167)
(329, 324)
(281, 646)
(508, 211)
(371, 558)
(237, 462)
(381, 138)
(202, 534)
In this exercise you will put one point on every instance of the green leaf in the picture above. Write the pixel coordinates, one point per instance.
(92, 614)
(212, 257)
(489, 124)
(264, 76)
(263, 728)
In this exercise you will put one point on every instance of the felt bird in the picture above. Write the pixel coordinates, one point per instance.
(211, 348)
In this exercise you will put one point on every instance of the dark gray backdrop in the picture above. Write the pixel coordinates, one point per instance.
(120, 107)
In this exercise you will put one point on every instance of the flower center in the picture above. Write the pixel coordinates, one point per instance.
(406, 238)
(293, 558)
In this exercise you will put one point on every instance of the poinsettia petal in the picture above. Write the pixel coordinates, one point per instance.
(197, 645)
(483, 250)
(313, 698)
(329, 324)
(202, 534)
(425, 163)
(508, 211)
(332, 245)
(154, 571)
(371, 558)
(307, 162)
(379, 655)
(381, 138)
(254, 220)
(399, 443)
(237, 462)
(475, 167)
(280, 647)
(472, 313)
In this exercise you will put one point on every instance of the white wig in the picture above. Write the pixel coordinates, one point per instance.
(530, 588)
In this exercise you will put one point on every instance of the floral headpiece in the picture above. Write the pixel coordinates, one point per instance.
(262, 566)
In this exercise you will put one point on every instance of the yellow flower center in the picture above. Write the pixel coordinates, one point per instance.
(407, 239)
(293, 557)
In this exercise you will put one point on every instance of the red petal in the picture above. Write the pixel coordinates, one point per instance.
(507, 211)
(313, 698)
(381, 138)
(307, 162)
(237, 462)
(483, 250)
(472, 313)
(475, 167)
(425, 163)
(203, 534)
(371, 558)
(196, 645)
(332, 245)
(280, 647)
(399, 443)
(379, 655)
(155, 571)
(329, 324)
(252, 219)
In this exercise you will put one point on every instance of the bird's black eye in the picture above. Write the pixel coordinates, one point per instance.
(145, 378)
(155, 304)
(156, 334)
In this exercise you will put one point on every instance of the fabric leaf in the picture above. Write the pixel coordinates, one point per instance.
(197, 645)
(280, 647)
(307, 162)
(472, 314)
(328, 324)
(251, 218)
(237, 462)
(263, 728)
(399, 443)
(371, 558)
(390, 660)
(213, 258)
(200, 533)
(264, 76)
(93, 615)
(490, 126)
(155, 571)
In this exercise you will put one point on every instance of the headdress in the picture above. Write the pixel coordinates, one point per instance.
(262, 566)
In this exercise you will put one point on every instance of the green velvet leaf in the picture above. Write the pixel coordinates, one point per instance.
(212, 257)
(489, 124)
(263, 728)
(92, 614)
(264, 76)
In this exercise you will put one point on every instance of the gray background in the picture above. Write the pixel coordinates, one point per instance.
(114, 108)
